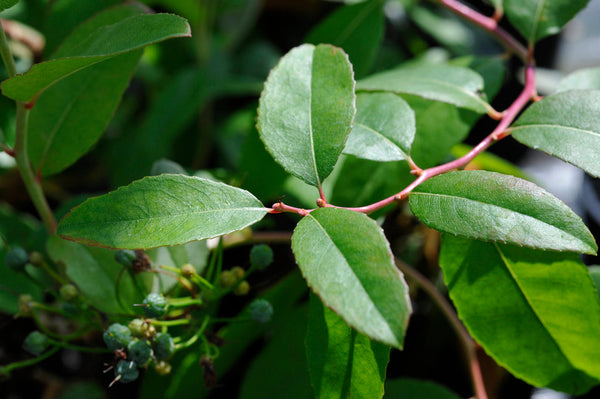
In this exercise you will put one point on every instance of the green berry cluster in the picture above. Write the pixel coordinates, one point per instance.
(140, 346)
(231, 278)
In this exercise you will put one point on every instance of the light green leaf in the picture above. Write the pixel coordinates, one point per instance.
(536, 19)
(342, 363)
(4, 4)
(106, 42)
(490, 162)
(565, 125)
(410, 388)
(494, 207)
(384, 128)
(582, 79)
(161, 210)
(513, 298)
(194, 253)
(446, 83)
(306, 110)
(346, 260)
(491, 68)
(595, 274)
(357, 28)
(95, 272)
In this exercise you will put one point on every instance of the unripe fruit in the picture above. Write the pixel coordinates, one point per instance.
(125, 256)
(238, 272)
(26, 303)
(156, 305)
(162, 368)
(36, 259)
(36, 343)
(69, 292)
(242, 289)
(116, 337)
(260, 310)
(188, 270)
(139, 351)
(16, 259)
(227, 279)
(126, 371)
(163, 346)
(261, 256)
(138, 328)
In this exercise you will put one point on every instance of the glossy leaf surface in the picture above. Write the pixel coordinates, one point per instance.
(384, 128)
(109, 41)
(521, 298)
(536, 19)
(494, 207)
(161, 210)
(565, 125)
(446, 83)
(346, 260)
(306, 110)
(357, 28)
(342, 363)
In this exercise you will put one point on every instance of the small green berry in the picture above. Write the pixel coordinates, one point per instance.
(260, 310)
(125, 256)
(163, 346)
(26, 303)
(138, 328)
(139, 351)
(36, 343)
(227, 279)
(188, 270)
(261, 256)
(16, 259)
(242, 289)
(238, 272)
(36, 259)
(69, 292)
(156, 305)
(117, 336)
(162, 368)
(126, 371)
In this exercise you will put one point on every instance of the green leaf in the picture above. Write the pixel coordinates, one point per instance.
(536, 19)
(342, 363)
(194, 253)
(357, 28)
(595, 274)
(4, 4)
(588, 78)
(306, 110)
(279, 370)
(416, 389)
(384, 128)
(565, 125)
(106, 42)
(161, 210)
(490, 162)
(346, 260)
(513, 298)
(491, 68)
(446, 83)
(95, 272)
(493, 207)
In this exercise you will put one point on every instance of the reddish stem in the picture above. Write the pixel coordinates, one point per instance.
(489, 24)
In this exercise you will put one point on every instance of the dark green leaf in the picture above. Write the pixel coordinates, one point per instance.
(95, 272)
(416, 389)
(513, 298)
(536, 19)
(357, 28)
(306, 110)
(565, 125)
(106, 42)
(446, 83)
(342, 363)
(161, 210)
(582, 79)
(384, 128)
(279, 370)
(494, 207)
(347, 262)
(4, 4)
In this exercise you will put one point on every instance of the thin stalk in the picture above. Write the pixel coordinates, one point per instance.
(26, 363)
(465, 339)
(32, 185)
